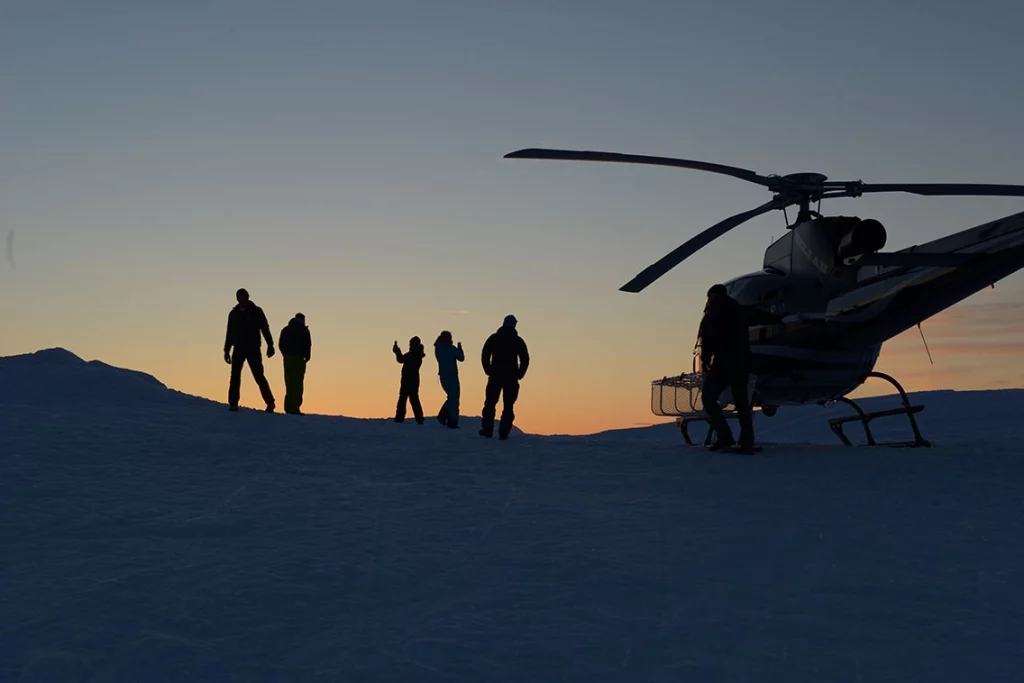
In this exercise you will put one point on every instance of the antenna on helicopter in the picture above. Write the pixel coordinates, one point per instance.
(927, 350)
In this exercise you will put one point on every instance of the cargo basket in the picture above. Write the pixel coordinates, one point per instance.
(680, 396)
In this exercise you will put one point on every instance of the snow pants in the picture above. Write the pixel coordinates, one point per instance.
(294, 382)
(255, 360)
(715, 382)
(508, 389)
(409, 391)
(449, 414)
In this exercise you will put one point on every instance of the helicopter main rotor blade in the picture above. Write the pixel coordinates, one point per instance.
(573, 155)
(948, 189)
(685, 250)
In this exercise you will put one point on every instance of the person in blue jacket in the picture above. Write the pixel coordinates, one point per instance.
(448, 357)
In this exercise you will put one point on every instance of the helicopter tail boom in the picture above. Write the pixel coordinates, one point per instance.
(929, 278)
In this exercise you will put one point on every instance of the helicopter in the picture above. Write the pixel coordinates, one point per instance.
(827, 297)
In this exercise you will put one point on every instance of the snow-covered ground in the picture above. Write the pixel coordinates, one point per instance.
(149, 536)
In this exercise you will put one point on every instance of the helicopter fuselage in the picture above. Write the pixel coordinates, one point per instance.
(797, 357)
(819, 319)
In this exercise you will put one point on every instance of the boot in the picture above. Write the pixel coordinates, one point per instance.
(721, 444)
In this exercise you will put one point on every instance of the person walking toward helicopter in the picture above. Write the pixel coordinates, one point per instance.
(725, 358)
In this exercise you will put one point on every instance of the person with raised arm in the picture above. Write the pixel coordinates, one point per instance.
(409, 388)
(448, 357)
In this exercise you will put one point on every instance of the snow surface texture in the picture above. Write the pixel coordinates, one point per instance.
(149, 536)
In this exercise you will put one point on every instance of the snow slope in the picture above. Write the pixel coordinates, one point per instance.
(150, 536)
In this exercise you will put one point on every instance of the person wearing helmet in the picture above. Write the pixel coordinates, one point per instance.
(246, 322)
(725, 358)
(409, 388)
(505, 359)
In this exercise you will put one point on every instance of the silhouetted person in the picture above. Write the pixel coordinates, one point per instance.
(296, 346)
(448, 357)
(505, 359)
(409, 389)
(246, 323)
(725, 357)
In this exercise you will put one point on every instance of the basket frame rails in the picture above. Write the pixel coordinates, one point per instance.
(687, 415)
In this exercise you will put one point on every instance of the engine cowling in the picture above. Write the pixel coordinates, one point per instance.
(867, 237)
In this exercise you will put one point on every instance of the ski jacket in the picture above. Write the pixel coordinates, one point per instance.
(448, 357)
(505, 354)
(725, 336)
(245, 325)
(411, 361)
(295, 340)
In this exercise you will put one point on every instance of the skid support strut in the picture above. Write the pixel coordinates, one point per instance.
(836, 423)
(683, 424)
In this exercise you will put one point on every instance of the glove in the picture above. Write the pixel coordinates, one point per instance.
(270, 352)
(227, 357)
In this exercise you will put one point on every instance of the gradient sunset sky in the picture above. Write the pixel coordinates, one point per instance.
(344, 159)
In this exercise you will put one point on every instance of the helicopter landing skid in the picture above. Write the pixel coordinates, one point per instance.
(683, 422)
(836, 423)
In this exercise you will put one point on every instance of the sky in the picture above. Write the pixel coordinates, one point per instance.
(345, 160)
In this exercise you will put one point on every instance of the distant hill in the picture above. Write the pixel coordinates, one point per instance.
(57, 377)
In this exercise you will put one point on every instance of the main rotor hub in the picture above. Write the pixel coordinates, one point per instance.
(806, 178)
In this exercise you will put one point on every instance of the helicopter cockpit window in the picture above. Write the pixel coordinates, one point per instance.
(753, 289)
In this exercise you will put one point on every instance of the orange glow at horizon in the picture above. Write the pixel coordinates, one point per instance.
(974, 346)
(577, 384)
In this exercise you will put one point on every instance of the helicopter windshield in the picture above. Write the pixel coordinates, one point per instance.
(756, 289)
